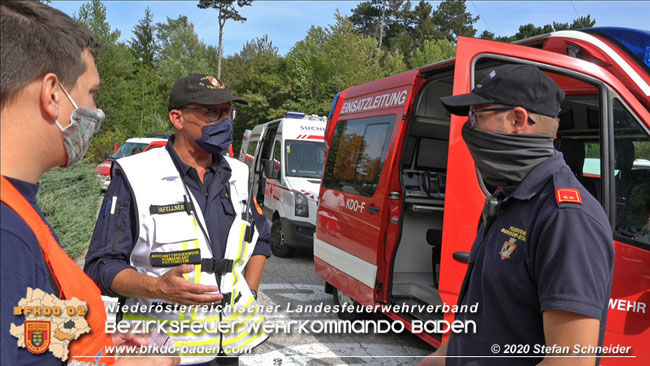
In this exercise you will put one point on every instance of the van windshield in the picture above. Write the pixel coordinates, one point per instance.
(128, 149)
(304, 158)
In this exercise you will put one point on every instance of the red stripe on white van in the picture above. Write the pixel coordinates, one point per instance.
(315, 137)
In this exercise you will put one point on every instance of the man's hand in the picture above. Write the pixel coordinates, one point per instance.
(172, 286)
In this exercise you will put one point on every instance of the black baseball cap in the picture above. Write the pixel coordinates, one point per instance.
(200, 89)
(514, 85)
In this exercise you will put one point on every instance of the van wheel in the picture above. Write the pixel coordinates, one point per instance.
(343, 300)
(279, 245)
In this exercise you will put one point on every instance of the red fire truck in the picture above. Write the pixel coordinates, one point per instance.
(400, 198)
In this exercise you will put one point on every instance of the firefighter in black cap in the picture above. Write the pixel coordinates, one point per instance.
(177, 226)
(541, 266)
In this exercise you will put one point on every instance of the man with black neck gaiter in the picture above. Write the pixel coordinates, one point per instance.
(540, 268)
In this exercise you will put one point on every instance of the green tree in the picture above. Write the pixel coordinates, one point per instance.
(116, 69)
(331, 59)
(151, 103)
(143, 44)
(434, 50)
(583, 22)
(406, 28)
(391, 23)
(531, 30)
(424, 28)
(226, 10)
(258, 74)
(181, 52)
(366, 17)
(487, 35)
(452, 20)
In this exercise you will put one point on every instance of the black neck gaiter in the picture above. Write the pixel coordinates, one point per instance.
(504, 160)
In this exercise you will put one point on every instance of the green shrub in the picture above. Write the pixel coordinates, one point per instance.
(69, 199)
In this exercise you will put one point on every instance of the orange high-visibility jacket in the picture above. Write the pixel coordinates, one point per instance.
(70, 279)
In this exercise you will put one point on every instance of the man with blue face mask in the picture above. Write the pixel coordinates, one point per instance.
(48, 120)
(177, 227)
(541, 266)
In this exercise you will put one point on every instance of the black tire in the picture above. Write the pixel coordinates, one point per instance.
(279, 245)
(341, 299)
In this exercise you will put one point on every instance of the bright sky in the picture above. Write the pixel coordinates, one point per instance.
(287, 22)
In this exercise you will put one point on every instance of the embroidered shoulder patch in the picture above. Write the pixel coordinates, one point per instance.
(568, 195)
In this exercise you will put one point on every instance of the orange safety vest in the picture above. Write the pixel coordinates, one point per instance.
(71, 280)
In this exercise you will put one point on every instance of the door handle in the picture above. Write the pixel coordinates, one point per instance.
(373, 209)
(462, 257)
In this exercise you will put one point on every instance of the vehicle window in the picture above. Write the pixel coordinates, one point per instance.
(277, 155)
(357, 155)
(250, 153)
(632, 176)
(277, 152)
(251, 148)
(128, 149)
(304, 158)
(151, 147)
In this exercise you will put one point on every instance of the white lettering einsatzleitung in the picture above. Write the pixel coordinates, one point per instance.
(380, 101)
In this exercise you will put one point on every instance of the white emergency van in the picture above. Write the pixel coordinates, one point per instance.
(286, 158)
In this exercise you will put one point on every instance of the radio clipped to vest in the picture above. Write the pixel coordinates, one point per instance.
(247, 217)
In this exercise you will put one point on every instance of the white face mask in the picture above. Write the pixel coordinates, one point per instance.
(84, 124)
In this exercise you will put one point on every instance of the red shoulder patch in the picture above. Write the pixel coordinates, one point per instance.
(257, 207)
(568, 195)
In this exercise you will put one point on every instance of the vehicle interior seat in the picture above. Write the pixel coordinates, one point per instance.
(632, 193)
(573, 151)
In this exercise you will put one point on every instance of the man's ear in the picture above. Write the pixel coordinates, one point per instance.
(520, 122)
(175, 117)
(50, 96)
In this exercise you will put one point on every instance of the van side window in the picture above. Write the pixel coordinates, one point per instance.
(250, 153)
(357, 155)
(631, 176)
(277, 152)
(277, 155)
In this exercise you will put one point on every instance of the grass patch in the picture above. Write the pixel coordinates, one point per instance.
(69, 199)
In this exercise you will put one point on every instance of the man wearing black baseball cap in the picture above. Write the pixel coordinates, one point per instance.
(178, 227)
(541, 266)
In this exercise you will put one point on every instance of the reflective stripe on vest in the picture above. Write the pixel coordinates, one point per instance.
(71, 280)
(155, 182)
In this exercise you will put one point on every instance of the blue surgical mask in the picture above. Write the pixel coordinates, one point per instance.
(216, 137)
(77, 136)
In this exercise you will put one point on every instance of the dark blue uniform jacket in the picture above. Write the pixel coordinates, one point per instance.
(542, 252)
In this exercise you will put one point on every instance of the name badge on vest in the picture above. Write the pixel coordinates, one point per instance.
(166, 209)
(173, 259)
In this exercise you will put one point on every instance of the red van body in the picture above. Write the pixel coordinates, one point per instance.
(400, 197)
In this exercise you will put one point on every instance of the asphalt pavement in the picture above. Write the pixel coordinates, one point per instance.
(291, 284)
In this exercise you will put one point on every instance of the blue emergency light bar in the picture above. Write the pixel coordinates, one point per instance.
(635, 42)
(294, 115)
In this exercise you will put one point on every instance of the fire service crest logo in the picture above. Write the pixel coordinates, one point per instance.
(37, 335)
(508, 248)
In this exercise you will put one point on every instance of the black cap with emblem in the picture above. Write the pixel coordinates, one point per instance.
(200, 89)
(513, 85)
